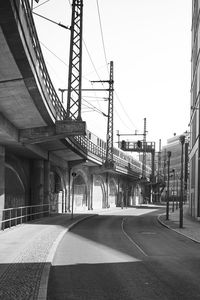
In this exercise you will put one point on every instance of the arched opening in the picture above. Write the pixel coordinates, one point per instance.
(14, 189)
(80, 193)
(98, 193)
(136, 198)
(56, 193)
(112, 199)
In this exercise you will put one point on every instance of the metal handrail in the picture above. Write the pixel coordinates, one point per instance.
(21, 214)
(90, 147)
(54, 102)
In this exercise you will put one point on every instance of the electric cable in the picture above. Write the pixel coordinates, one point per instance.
(102, 37)
(41, 4)
(92, 62)
(125, 110)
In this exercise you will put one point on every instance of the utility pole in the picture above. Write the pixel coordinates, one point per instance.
(75, 62)
(109, 135)
(109, 144)
(159, 168)
(168, 167)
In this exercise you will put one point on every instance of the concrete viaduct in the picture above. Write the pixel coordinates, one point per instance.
(46, 161)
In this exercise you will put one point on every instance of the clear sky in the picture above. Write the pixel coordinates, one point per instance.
(149, 42)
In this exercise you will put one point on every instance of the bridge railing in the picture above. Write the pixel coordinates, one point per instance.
(52, 98)
(54, 102)
(91, 147)
(18, 215)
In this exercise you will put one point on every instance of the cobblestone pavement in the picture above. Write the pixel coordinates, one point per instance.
(26, 251)
(25, 256)
(191, 227)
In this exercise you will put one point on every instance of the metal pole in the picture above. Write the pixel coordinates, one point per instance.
(168, 165)
(73, 177)
(173, 190)
(72, 214)
(182, 140)
(177, 193)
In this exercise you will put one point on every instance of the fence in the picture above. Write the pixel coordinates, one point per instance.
(18, 215)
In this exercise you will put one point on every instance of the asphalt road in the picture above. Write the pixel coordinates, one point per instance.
(125, 254)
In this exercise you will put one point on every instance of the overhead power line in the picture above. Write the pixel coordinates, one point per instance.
(102, 37)
(41, 4)
(53, 53)
(125, 110)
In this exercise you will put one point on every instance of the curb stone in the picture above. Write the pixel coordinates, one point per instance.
(42, 294)
(177, 231)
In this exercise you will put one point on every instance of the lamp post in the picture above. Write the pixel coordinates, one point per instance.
(168, 165)
(182, 140)
(177, 191)
(173, 171)
(73, 178)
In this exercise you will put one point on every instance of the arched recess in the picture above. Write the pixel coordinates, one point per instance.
(99, 193)
(57, 191)
(112, 198)
(136, 193)
(80, 191)
(15, 192)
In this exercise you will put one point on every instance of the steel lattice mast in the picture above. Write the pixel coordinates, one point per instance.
(75, 62)
(109, 145)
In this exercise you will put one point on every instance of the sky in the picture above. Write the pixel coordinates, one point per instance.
(149, 42)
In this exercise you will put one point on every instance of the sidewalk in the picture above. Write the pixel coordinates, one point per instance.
(191, 227)
(26, 253)
(27, 250)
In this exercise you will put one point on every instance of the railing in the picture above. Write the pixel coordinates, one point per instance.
(18, 215)
(89, 146)
(53, 102)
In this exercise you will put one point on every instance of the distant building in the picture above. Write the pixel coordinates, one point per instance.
(174, 147)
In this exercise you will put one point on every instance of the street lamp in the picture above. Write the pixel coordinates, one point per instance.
(168, 165)
(182, 140)
(173, 171)
(73, 178)
(177, 190)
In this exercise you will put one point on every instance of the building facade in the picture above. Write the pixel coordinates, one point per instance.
(194, 190)
(174, 147)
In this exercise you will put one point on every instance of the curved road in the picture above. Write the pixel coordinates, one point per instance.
(125, 254)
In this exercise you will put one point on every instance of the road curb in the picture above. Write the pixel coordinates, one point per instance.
(177, 231)
(42, 294)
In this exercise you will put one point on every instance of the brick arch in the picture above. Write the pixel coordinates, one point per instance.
(83, 174)
(81, 190)
(58, 190)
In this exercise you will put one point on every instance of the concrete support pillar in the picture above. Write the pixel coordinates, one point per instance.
(65, 199)
(69, 191)
(2, 180)
(37, 182)
(90, 200)
(46, 182)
